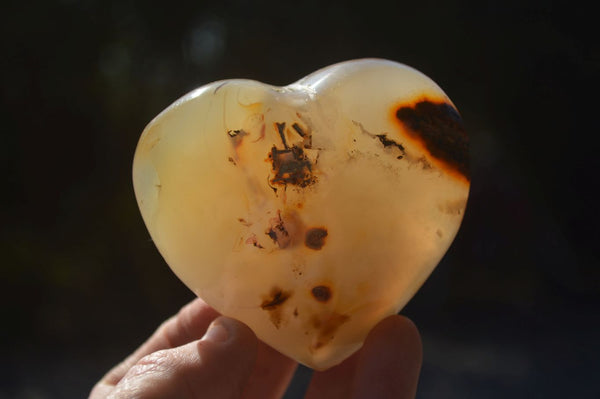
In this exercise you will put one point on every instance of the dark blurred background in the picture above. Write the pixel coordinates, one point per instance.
(512, 310)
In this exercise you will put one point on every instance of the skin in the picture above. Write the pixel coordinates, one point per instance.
(200, 354)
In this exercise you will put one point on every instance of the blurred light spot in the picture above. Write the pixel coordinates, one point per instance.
(206, 43)
(477, 359)
(115, 61)
(161, 75)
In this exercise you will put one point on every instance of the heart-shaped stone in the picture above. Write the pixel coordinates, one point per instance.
(309, 212)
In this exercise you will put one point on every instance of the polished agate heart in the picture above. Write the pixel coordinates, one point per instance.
(312, 211)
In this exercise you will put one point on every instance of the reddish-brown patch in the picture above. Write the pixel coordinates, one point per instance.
(275, 298)
(285, 231)
(280, 127)
(273, 303)
(315, 237)
(327, 327)
(436, 126)
(254, 241)
(278, 232)
(321, 293)
(291, 166)
(304, 133)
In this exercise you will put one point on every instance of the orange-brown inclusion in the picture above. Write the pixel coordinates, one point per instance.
(435, 126)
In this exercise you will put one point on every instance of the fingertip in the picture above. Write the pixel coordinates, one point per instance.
(197, 309)
(401, 331)
(224, 329)
(390, 361)
(227, 355)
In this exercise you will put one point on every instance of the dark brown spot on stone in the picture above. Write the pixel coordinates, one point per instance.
(276, 298)
(384, 140)
(273, 304)
(236, 133)
(271, 233)
(440, 129)
(236, 137)
(297, 271)
(327, 326)
(318, 345)
(278, 232)
(291, 166)
(299, 130)
(281, 130)
(304, 134)
(254, 241)
(321, 293)
(388, 142)
(315, 237)
(296, 312)
(232, 161)
(270, 186)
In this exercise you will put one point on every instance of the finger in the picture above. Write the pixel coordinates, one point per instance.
(335, 382)
(217, 366)
(390, 357)
(188, 325)
(390, 361)
(271, 375)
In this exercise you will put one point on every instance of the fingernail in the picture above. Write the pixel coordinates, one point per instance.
(217, 331)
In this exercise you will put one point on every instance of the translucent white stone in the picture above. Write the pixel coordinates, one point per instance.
(311, 211)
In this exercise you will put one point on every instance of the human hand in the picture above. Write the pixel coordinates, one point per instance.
(200, 354)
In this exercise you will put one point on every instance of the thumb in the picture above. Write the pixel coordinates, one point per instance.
(216, 366)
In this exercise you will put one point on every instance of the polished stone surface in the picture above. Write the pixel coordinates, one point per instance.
(311, 211)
